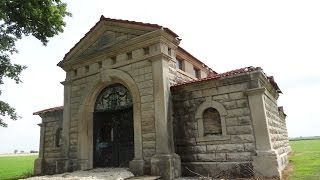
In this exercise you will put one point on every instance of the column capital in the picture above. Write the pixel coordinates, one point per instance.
(255, 91)
(161, 57)
(66, 82)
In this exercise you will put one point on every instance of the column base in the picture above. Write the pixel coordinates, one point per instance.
(168, 166)
(136, 166)
(38, 166)
(266, 164)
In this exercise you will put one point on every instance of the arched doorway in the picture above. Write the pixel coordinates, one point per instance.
(113, 133)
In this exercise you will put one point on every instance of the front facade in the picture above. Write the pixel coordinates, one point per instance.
(134, 98)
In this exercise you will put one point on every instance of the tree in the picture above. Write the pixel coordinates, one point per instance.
(41, 19)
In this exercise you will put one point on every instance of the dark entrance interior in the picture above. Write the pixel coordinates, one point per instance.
(113, 128)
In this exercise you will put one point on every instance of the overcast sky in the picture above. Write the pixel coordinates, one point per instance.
(282, 37)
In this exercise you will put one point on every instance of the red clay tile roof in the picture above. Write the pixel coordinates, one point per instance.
(217, 76)
(58, 108)
(230, 73)
(102, 18)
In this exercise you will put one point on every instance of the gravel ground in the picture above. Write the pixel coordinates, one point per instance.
(93, 174)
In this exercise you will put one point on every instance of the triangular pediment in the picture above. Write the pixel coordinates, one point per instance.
(105, 34)
(108, 39)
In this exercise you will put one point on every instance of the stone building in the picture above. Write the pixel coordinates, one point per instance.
(134, 98)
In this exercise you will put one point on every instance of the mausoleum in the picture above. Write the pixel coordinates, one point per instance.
(134, 98)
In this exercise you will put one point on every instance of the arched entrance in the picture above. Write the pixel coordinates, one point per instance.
(113, 132)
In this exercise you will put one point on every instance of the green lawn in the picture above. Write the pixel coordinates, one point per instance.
(13, 167)
(305, 159)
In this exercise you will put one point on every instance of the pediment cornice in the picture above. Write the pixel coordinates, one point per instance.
(108, 35)
(148, 39)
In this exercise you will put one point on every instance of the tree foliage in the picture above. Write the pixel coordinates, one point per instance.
(42, 19)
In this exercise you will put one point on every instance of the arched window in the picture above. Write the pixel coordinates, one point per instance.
(211, 117)
(211, 122)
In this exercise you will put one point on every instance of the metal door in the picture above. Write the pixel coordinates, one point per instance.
(113, 138)
(113, 134)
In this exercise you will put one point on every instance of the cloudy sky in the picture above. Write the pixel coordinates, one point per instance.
(282, 37)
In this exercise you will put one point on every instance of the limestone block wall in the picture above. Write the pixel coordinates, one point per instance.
(277, 130)
(231, 151)
(79, 88)
(177, 75)
(141, 72)
(51, 148)
(139, 68)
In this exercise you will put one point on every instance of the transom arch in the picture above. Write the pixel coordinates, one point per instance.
(113, 97)
(107, 78)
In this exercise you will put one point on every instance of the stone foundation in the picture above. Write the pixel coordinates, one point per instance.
(218, 169)
(168, 166)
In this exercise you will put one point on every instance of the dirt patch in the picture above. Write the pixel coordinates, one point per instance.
(287, 171)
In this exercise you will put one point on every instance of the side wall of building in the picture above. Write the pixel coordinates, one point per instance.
(230, 152)
(50, 144)
(277, 129)
(189, 63)
(253, 138)
(270, 131)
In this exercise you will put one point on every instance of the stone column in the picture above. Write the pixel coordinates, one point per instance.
(39, 162)
(66, 124)
(165, 162)
(265, 162)
(137, 164)
(85, 137)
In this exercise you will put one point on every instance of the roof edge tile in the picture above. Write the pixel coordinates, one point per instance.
(44, 111)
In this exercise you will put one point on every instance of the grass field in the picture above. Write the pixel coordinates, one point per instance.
(305, 159)
(13, 167)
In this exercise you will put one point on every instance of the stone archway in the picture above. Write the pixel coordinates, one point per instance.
(113, 128)
(85, 136)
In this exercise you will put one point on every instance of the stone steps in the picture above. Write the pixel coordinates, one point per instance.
(144, 178)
